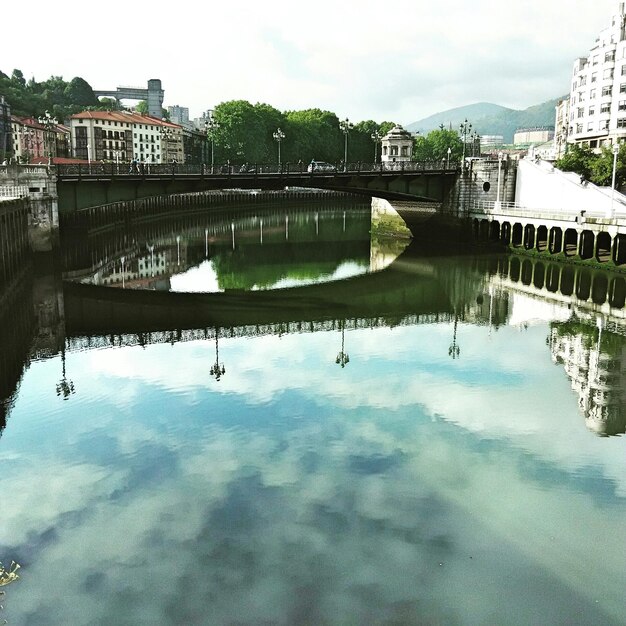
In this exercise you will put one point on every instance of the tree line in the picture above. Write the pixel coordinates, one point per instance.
(244, 132)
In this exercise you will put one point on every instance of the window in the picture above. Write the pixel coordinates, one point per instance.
(608, 73)
(580, 112)
(579, 128)
(581, 96)
(607, 91)
(590, 127)
(604, 125)
(595, 60)
(592, 94)
(594, 77)
(623, 70)
(609, 56)
(605, 108)
(621, 122)
(592, 110)
(621, 106)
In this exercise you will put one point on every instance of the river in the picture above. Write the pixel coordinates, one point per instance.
(269, 416)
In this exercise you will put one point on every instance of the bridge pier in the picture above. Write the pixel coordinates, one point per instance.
(38, 185)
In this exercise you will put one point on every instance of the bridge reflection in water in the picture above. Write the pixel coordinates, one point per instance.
(48, 316)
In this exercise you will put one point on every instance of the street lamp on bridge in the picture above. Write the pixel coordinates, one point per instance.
(278, 136)
(345, 126)
(475, 139)
(465, 129)
(211, 126)
(376, 138)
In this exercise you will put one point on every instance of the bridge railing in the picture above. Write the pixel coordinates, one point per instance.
(246, 169)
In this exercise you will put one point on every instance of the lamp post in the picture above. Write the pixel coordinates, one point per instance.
(448, 161)
(278, 136)
(342, 358)
(166, 137)
(454, 350)
(475, 139)
(345, 126)
(48, 122)
(464, 130)
(217, 369)
(64, 387)
(376, 138)
(498, 204)
(611, 214)
(211, 126)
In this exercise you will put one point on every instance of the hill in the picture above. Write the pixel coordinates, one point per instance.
(490, 119)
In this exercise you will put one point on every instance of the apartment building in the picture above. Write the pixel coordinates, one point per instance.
(123, 136)
(597, 103)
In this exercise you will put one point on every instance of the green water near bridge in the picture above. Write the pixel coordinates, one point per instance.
(303, 427)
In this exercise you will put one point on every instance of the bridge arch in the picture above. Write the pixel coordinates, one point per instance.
(517, 238)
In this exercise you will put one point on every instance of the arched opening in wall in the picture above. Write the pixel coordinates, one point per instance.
(617, 293)
(539, 277)
(619, 249)
(475, 228)
(583, 284)
(603, 247)
(552, 277)
(556, 240)
(599, 288)
(542, 238)
(484, 230)
(567, 280)
(515, 269)
(587, 241)
(527, 272)
(505, 233)
(570, 242)
(486, 186)
(518, 235)
(529, 236)
(494, 231)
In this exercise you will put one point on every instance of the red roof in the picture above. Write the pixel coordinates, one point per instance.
(123, 116)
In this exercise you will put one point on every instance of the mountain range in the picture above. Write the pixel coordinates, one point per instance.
(487, 118)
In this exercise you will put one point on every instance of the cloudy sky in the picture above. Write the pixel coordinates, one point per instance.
(397, 61)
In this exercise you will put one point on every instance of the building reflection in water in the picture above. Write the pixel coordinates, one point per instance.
(342, 357)
(595, 362)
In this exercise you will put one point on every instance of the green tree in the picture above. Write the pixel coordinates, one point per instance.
(434, 146)
(579, 159)
(79, 92)
(602, 167)
(142, 107)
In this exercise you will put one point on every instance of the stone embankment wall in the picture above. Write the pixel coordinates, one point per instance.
(479, 183)
(38, 183)
(14, 244)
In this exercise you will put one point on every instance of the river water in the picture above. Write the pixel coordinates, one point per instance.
(269, 417)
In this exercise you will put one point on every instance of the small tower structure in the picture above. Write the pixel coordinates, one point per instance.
(397, 145)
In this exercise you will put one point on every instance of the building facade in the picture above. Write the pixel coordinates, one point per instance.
(533, 135)
(29, 139)
(124, 136)
(597, 102)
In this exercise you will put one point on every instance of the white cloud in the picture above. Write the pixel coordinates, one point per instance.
(358, 59)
